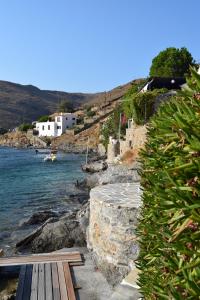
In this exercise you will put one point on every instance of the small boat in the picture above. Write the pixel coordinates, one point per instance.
(50, 157)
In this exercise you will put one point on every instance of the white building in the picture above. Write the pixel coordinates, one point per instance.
(62, 122)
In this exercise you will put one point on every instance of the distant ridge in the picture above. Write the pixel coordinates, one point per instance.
(25, 103)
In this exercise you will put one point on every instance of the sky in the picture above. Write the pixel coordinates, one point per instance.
(91, 45)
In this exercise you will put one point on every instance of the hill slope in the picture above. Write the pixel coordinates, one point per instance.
(25, 103)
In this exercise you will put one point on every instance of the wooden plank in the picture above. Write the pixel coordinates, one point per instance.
(55, 282)
(48, 282)
(27, 283)
(34, 285)
(41, 287)
(20, 260)
(62, 283)
(20, 288)
(57, 253)
(75, 263)
(40, 258)
(68, 280)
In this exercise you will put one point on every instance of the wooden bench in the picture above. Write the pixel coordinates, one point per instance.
(50, 281)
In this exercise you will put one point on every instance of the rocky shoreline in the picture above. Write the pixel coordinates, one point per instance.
(69, 229)
(56, 230)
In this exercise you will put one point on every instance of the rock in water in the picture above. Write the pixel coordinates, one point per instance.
(26, 242)
(64, 233)
(40, 217)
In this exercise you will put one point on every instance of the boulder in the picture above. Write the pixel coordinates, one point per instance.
(82, 217)
(64, 233)
(26, 242)
(95, 166)
(40, 217)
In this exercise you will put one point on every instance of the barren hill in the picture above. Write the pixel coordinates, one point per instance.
(25, 103)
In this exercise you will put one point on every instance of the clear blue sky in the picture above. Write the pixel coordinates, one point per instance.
(91, 45)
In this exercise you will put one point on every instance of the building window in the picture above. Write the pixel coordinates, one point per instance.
(48, 127)
(42, 127)
(73, 118)
(73, 123)
(66, 118)
(58, 127)
(67, 126)
(58, 119)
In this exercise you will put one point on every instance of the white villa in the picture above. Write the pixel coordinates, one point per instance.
(62, 122)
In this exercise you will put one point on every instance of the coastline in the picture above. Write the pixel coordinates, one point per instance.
(69, 230)
(24, 195)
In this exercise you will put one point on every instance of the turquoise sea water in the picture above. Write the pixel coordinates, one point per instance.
(28, 184)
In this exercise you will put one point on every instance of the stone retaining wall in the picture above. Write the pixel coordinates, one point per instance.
(114, 210)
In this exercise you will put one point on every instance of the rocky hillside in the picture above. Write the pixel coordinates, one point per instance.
(25, 103)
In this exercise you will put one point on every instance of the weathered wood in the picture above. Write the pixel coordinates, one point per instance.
(74, 263)
(55, 282)
(20, 260)
(28, 282)
(68, 280)
(48, 282)
(43, 280)
(34, 286)
(41, 287)
(62, 283)
(1, 252)
(20, 288)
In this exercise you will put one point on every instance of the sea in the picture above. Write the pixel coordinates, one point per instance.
(28, 184)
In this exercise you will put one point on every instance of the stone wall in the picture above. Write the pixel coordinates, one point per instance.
(114, 210)
(112, 150)
(135, 138)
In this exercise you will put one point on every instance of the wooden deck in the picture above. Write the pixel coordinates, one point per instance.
(45, 276)
(50, 281)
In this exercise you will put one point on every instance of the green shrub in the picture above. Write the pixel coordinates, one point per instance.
(169, 226)
(90, 113)
(111, 126)
(25, 127)
(3, 130)
(141, 106)
(172, 62)
(44, 118)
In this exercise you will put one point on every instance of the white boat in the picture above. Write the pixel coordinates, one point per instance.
(50, 157)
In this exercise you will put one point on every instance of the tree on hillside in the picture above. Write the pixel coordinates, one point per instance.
(172, 62)
(66, 106)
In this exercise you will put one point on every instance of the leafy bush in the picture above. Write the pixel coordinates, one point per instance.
(25, 127)
(172, 62)
(111, 126)
(169, 227)
(3, 130)
(90, 113)
(80, 120)
(141, 106)
(136, 87)
(44, 118)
